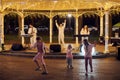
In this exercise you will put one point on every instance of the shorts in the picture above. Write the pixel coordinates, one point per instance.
(38, 56)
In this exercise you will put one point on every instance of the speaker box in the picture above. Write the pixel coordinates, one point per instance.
(55, 48)
(118, 53)
(17, 47)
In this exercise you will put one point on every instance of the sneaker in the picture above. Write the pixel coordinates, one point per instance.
(38, 69)
(86, 74)
(44, 73)
(91, 70)
(71, 67)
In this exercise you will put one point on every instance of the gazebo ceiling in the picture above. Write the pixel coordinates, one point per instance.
(58, 4)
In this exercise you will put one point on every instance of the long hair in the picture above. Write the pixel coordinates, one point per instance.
(85, 28)
(86, 43)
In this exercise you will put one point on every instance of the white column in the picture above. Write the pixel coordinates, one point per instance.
(101, 25)
(1, 30)
(22, 27)
(76, 29)
(50, 28)
(106, 31)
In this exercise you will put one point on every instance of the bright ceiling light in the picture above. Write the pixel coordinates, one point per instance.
(69, 15)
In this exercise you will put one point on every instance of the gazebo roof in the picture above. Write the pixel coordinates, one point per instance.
(59, 4)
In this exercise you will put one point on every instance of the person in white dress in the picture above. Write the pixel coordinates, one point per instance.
(32, 31)
(61, 28)
(84, 31)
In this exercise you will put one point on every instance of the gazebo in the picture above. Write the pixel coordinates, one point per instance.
(50, 8)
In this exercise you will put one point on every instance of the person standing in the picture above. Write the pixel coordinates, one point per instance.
(32, 31)
(69, 57)
(84, 35)
(61, 28)
(40, 55)
(88, 55)
(84, 32)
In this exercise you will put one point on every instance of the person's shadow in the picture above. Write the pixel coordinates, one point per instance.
(69, 74)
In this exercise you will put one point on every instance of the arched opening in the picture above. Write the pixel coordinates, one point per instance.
(93, 23)
(116, 24)
(69, 30)
(10, 24)
(41, 22)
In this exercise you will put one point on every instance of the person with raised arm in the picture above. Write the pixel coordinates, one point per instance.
(61, 28)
